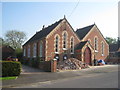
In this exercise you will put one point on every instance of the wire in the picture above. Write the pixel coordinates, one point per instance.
(74, 9)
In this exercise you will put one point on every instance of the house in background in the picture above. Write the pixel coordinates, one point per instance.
(114, 53)
(60, 41)
(7, 51)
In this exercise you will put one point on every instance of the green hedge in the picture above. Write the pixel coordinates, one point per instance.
(10, 68)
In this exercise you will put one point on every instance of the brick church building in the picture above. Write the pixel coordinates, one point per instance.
(59, 41)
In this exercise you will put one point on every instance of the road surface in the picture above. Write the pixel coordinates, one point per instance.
(101, 78)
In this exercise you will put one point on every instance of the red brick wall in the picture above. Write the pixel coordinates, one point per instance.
(91, 36)
(37, 50)
(50, 41)
(78, 54)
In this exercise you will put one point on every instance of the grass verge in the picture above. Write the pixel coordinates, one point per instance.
(8, 78)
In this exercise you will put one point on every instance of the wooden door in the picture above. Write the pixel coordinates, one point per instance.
(87, 56)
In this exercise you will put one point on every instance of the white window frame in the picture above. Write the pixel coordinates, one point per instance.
(34, 49)
(58, 42)
(102, 48)
(28, 51)
(96, 44)
(41, 49)
(72, 45)
(64, 48)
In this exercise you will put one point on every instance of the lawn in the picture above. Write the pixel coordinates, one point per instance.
(8, 78)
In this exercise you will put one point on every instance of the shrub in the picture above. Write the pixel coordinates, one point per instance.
(10, 68)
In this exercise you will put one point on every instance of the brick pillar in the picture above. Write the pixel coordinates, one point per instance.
(53, 65)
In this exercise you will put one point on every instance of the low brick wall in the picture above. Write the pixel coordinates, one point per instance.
(113, 60)
(49, 66)
(45, 65)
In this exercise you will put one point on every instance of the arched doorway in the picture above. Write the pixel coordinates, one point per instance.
(87, 56)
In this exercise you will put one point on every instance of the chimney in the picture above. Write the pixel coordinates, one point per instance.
(64, 17)
(43, 27)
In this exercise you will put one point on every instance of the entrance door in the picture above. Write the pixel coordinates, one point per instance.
(87, 56)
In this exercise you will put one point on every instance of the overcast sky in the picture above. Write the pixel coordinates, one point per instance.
(31, 16)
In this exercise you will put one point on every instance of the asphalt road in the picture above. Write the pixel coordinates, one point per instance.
(104, 78)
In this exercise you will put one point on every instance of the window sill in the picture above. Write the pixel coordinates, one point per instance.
(64, 48)
(96, 50)
(102, 54)
(34, 56)
(56, 52)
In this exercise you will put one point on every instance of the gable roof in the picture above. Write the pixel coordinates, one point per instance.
(82, 32)
(44, 32)
(81, 45)
(6, 48)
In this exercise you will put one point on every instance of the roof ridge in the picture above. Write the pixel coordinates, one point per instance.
(50, 25)
(44, 32)
(86, 26)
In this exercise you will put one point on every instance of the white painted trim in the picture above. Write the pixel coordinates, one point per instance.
(83, 50)
(96, 43)
(41, 51)
(71, 45)
(73, 31)
(58, 43)
(102, 48)
(88, 33)
(58, 26)
(99, 33)
(66, 39)
(89, 40)
(34, 51)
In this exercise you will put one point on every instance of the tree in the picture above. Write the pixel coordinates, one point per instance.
(15, 38)
(111, 40)
(3, 42)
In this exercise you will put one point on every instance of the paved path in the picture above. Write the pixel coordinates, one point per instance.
(28, 69)
(32, 75)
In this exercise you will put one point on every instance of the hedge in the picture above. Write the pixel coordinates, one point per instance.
(10, 68)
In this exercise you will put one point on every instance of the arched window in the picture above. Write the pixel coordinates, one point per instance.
(96, 44)
(28, 50)
(24, 51)
(72, 45)
(102, 49)
(34, 49)
(41, 49)
(65, 40)
(57, 44)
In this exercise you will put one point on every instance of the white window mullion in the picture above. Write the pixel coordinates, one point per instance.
(29, 51)
(34, 50)
(102, 49)
(41, 49)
